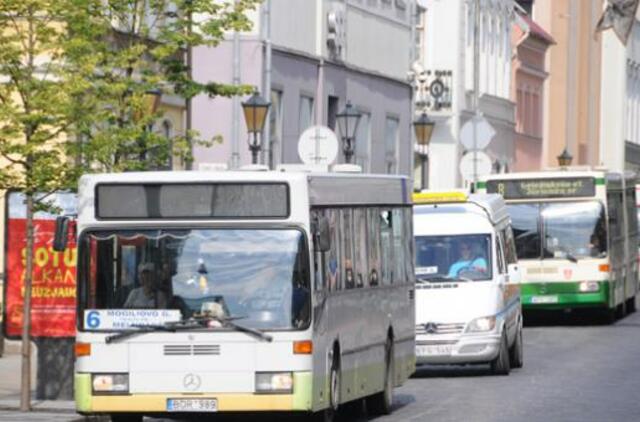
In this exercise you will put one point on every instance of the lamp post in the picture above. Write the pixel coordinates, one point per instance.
(255, 113)
(151, 102)
(423, 128)
(564, 159)
(348, 120)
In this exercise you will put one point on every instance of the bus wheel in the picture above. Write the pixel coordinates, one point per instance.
(329, 414)
(608, 316)
(380, 403)
(631, 304)
(516, 355)
(500, 365)
(126, 417)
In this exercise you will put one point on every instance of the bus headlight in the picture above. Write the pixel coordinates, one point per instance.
(589, 286)
(110, 383)
(274, 382)
(482, 324)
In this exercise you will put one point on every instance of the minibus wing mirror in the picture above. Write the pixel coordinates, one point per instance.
(322, 235)
(61, 234)
(514, 273)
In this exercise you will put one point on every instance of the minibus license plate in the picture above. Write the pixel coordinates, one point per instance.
(192, 405)
(439, 349)
(544, 299)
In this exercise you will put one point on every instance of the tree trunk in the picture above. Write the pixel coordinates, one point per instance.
(25, 391)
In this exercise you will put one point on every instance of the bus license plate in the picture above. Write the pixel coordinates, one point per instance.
(192, 405)
(544, 299)
(440, 349)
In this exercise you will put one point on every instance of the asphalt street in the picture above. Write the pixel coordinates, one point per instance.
(575, 370)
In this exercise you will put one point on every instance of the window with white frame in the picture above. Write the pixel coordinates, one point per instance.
(305, 116)
(391, 128)
(363, 141)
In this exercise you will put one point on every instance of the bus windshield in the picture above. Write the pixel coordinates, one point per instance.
(460, 257)
(565, 230)
(261, 276)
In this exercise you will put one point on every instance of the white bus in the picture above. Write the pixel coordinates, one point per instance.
(208, 292)
(576, 237)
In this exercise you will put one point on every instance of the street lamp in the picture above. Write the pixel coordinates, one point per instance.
(564, 159)
(423, 128)
(255, 114)
(348, 120)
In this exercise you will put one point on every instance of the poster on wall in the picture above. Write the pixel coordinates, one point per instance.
(53, 303)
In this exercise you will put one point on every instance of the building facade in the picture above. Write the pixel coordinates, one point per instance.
(309, 59)
(530, 43)
(446, 53)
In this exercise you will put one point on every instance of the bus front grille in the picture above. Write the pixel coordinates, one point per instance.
(191, 349)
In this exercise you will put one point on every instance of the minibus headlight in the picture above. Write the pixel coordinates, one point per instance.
(589, 286)
(110, 383)
(482, 324)
(274, 382)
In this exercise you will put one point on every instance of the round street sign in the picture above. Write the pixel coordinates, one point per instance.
(318, 145)
(484, 132)
(482, 161)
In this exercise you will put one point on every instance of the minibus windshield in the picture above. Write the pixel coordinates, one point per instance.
(458, 257)
(259, 275)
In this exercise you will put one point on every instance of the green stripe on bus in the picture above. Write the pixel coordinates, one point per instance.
(481, 185)
(302, 390)
(82, 392)
(562, 295)
(600, 181)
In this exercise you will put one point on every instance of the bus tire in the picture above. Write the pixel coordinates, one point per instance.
(631, 304)
(126, 417)
(500, 365)
(381, 403)
(516, 353)
(608, 316)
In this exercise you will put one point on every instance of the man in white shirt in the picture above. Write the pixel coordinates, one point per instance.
(147, 295)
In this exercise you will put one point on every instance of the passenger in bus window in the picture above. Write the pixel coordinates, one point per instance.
(148, 295)
(470, 259)
(299, 301)
(348, 275)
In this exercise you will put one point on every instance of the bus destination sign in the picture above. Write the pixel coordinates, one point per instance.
(543, 188)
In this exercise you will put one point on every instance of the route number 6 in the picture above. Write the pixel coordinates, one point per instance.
(93, 319)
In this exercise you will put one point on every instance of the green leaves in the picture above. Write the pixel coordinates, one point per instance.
(76, 78)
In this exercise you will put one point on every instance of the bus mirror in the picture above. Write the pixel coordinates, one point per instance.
(62, 231)
(322, 235)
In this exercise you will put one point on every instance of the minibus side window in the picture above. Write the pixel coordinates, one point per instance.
(500, 252)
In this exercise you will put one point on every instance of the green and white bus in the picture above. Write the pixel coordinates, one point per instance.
(252, 291)
(576, 236)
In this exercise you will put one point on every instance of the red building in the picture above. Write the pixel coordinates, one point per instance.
(530, 44)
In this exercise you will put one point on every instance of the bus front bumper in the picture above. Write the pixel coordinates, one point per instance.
(563, 295)
(89, 403)
(468, 348)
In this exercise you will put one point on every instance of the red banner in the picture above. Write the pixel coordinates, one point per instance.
(53, 303)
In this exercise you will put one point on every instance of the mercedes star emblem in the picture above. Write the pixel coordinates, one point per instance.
(192, 382)
(431, 328)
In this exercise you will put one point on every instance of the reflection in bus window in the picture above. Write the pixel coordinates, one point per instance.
(525, 221)
(574, 229)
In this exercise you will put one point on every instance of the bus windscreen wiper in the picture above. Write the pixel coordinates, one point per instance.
(194, 323)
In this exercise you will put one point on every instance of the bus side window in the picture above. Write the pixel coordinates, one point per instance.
(384, 219)
(346, 242)
(361, 244)
(408, 243)
(502, 268)
(509, 246)
(332, 258)
(397, 225)
(373, 246)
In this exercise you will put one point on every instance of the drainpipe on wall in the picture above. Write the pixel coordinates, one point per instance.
(235, 112)
(267, 152)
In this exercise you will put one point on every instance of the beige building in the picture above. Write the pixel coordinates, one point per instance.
(572, 94)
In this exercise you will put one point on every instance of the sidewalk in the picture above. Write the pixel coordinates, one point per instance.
(42, 410)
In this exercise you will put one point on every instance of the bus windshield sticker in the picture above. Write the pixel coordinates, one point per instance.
(118, 319)
(543, 188)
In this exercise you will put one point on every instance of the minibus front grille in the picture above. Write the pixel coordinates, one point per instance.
(435, 328)
(191, 350)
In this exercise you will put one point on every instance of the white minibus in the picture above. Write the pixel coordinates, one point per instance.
(467, 282)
